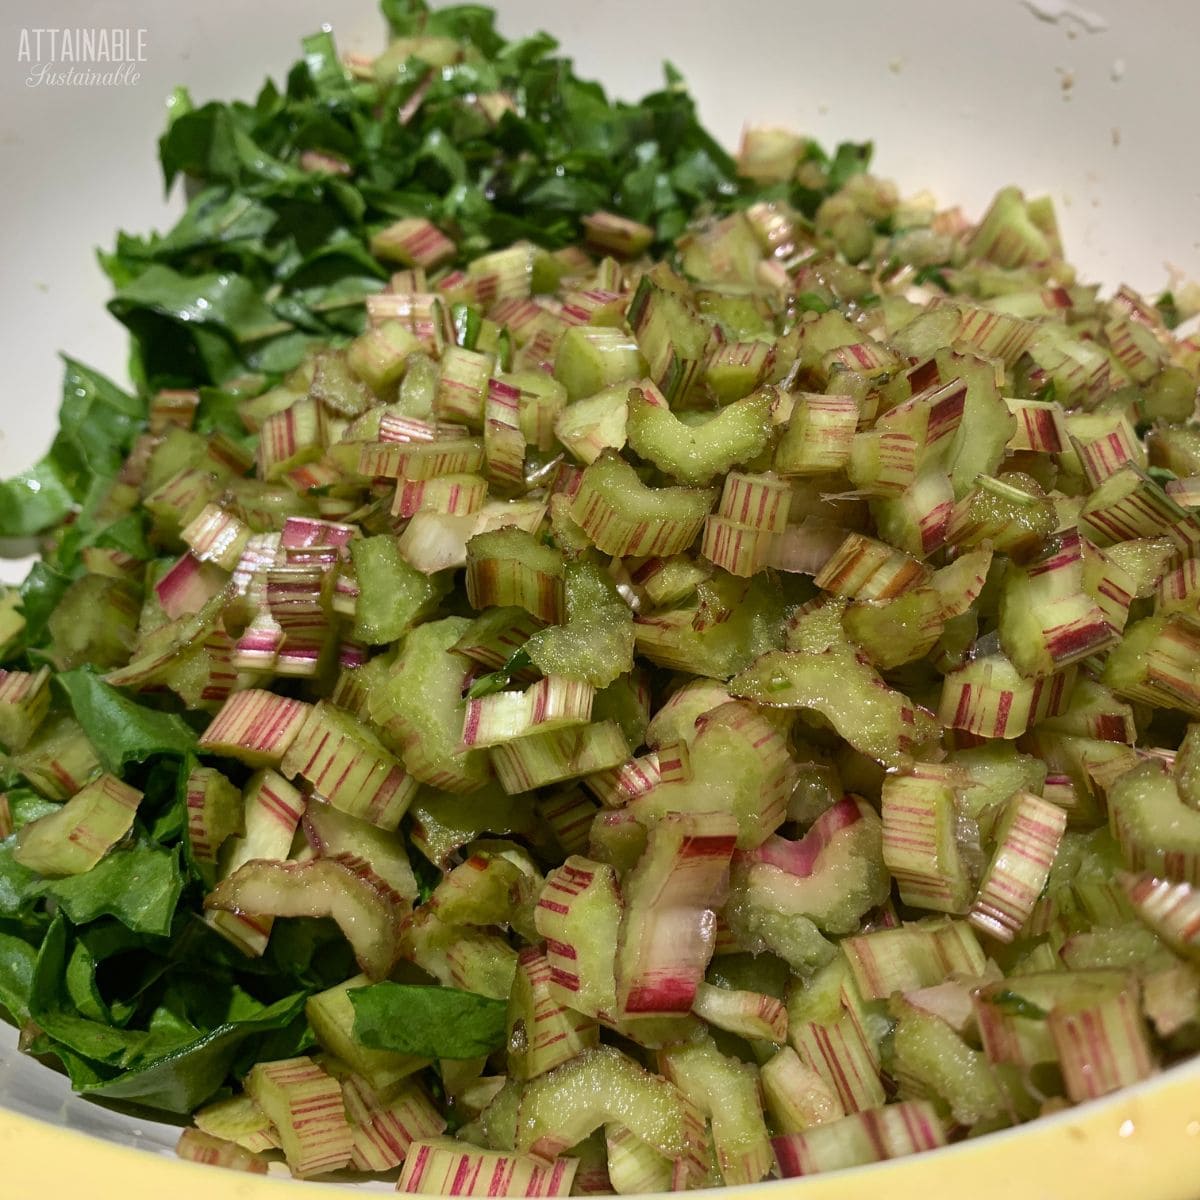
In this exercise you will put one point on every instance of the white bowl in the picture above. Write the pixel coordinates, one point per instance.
(1094, 108)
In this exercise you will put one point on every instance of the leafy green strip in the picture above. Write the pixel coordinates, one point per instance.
(429, 1021)
(121, 730)
(97, 425)
(174, 1064)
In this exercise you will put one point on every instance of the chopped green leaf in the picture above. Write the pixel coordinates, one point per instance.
(171, 1064)
(811, 302)
(34, 500)
(122, 730)
(17, 961)
(41, 591)
(18, 884)
(1168, 309)
(497, 681)
(1016, 1005)
(139, 886)
(182, 1078)
(432, 1022)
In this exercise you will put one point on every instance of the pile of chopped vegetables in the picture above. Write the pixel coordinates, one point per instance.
(593, 666)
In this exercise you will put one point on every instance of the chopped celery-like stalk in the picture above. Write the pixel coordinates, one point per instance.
(727, 1092)
(1027, 838)
(874, 718)
(796, 1096)
(696, 454)
(24, 703)
(559, 1109)
(831, 876)
(255, 726)
(623, 516)
(591, 358)
(239, 1120)
(271, 813)
(551, 703)
(737, 763)
(1172, 910)
(196, 1146)
(392, 595)
(1102, 1047)
(447, 1167)
(496, 885)
(920, 842)
(670, 896)
(214, 812)
(384, 1131)
(819, 436)
(578, 914)
(990, 698)
(732, 623)
(331, 1016)
(346, 764)
(932, 1059)
(634, 1167)
(543, 1033)
(669, 330)
(511, 567)
(594, 424)
(827, 1028)
(595, 643)
(419, 706)
(75, 837)
(545, 758)
(865, 569)
(891, 1131)
(378, 854)
(318, 887)
(747, 1014)
(912, 956)
(95, 622)
(305, 1106)
(1156, 831)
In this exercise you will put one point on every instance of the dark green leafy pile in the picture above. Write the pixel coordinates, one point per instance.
(271, 258)
(124, 984)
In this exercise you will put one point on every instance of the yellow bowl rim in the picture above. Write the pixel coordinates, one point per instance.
(1144, 1140)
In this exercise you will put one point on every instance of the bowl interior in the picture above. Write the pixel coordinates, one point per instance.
(960, 100)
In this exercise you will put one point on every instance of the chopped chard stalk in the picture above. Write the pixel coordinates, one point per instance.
(255, 726)
(348, 766)
(445, 1167)
(796, 1096)
(74, 838)
(383, 1131)
(305, 1105)
(666, 936)
(271, 813)
(601, 1086)
(24, 703)
(578, 913)
(726, 1090)
(1027, 838)
(890, 1131)
(543, 1034)
(199, 1147)
(320, 887)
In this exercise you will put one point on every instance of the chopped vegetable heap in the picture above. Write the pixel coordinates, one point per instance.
(592, 666)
